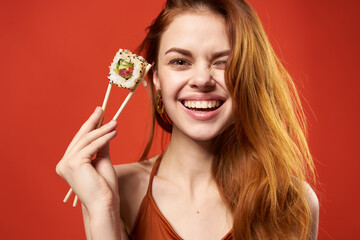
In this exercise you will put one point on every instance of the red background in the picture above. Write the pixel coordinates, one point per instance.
(53, 63)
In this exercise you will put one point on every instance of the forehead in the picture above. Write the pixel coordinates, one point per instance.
(196, 31)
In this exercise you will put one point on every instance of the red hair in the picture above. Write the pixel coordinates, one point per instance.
(262, 160)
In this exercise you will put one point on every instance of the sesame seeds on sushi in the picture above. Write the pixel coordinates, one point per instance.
(127, 69)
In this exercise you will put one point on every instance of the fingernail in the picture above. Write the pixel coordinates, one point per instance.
(98, 108)
(112, 123)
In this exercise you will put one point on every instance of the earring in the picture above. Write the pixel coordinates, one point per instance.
(159, 102)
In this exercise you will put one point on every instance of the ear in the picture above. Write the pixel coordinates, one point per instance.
(156, 79)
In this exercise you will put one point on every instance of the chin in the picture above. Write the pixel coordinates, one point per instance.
(203, 134)
(200, 126)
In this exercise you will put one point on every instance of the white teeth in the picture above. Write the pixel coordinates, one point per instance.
(201, 104)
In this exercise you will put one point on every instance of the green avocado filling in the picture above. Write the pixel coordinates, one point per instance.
(124, 68)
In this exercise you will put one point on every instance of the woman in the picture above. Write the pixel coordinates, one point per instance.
(237, 161)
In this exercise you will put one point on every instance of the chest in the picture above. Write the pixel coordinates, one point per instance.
(205, 218)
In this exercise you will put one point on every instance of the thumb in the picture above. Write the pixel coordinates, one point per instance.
(104, 151)
(104, 167)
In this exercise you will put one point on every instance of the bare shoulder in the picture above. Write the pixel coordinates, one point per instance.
(129, 171)
(133, 180)
(313, 203)
(312, 199)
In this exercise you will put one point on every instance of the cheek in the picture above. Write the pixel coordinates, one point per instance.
(218, 75)
(167, 88)
(231, 111)
(171, 83)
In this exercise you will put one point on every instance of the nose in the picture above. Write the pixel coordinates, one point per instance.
(202, 79)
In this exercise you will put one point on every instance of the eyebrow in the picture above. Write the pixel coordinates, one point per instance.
(220, 54)
(188, 53)
(179, 50)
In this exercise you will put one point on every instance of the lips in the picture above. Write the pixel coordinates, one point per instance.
(202, 107)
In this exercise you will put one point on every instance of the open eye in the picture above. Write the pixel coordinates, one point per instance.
(179, 62)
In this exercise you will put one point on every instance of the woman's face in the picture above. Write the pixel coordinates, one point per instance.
(190, 73)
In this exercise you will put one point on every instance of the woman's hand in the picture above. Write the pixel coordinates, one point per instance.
(92, 179)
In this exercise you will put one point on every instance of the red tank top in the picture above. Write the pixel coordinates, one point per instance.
(150, 224)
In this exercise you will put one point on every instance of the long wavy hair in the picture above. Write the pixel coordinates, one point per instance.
(262, 161)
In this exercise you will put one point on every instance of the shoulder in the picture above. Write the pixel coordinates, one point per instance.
(313, 203)
(311, 197)
(134, 171)
(134, 177)
(133, 180)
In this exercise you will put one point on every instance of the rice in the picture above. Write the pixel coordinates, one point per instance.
(139, 66)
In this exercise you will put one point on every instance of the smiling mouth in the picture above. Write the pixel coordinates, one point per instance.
(203, 105)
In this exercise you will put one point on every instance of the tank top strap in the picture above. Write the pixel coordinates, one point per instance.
(152, 174)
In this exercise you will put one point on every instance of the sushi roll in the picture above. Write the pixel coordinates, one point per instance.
(127, 69)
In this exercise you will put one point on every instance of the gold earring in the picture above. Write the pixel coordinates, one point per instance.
(159, 102)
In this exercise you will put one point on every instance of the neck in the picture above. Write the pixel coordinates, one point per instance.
(188, 163)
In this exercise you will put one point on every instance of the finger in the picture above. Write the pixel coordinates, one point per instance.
(89, 125)
(104, 167)
(67, 166)
(91, 149)
(92, 136)
(104, 151)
